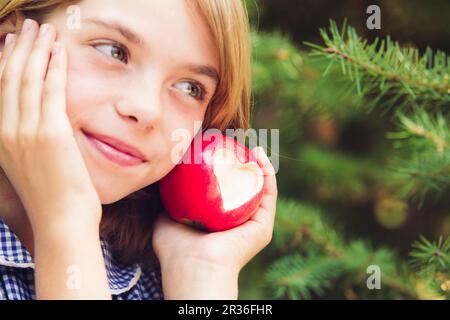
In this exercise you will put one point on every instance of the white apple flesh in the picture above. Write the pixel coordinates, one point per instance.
(219, 191)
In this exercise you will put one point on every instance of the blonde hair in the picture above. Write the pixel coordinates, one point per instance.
(128, 223)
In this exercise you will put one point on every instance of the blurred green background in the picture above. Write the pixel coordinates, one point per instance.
(339, 210)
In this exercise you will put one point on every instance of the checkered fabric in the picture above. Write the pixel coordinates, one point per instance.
(17, 273)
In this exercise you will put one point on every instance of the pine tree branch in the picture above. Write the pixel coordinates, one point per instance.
(401, 76)
(299, 277)
(442, 88)
(421, 128)
(432, 260)
(396, 284)
(426, 139)
(301, 227)
(422, 173)
(434, 253)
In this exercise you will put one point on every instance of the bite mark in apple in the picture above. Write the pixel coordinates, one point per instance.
(220, 191)
(238, 182)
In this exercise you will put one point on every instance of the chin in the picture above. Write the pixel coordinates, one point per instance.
(106, 191)
(108, 196)
(109, 199)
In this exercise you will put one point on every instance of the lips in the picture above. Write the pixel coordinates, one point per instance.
(118, 145)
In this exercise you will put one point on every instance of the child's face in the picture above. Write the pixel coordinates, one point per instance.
(140, 96)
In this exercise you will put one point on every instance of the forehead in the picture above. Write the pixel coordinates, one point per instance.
(170, 28)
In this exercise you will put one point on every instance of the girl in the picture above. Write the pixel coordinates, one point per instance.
(80, 220)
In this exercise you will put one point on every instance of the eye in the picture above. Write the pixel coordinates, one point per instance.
(114, 50)
(194, 89)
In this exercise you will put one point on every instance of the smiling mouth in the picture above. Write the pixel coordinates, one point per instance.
(112, 154)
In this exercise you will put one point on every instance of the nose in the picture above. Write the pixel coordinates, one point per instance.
(141, 104)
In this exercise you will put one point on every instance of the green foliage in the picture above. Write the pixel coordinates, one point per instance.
(416, 86)
(319, 257)
(386, 69)
(312, 99)
(297, 277)
(432, 259)
(276, 63)
(427, 169)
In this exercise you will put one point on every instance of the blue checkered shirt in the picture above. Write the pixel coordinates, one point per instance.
(17, 273)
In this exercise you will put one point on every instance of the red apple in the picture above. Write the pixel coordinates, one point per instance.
(217, 186)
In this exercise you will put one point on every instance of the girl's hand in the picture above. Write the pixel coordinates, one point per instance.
(198, 265)
(38, 151)
(41, 159)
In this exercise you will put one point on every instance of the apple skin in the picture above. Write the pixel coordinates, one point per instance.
(190, 192)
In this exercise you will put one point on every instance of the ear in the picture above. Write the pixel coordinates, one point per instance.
(11, 24)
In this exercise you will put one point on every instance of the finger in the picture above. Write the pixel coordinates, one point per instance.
(270, 182)
(12, 76)
(10, 41)
(254, 235)
(54, 92)
(257, 232)
(264, 218)
(33, 80)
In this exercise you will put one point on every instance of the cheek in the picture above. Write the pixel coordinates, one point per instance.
(84, 88)
(182, 131)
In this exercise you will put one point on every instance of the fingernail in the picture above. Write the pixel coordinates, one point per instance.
(10, 38)
(27, 24)
(56, 48)
(44, 29)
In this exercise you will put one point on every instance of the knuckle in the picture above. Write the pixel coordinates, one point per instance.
(10, 73)
(47, 90)
(38, 47)
(45, 93)
(26, 136)
(8, 138)
(27, 79)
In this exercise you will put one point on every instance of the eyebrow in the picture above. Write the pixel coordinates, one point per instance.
(133, 37)
(208, 71)
(122, 29)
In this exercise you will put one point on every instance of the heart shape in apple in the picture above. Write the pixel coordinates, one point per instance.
(217, 186)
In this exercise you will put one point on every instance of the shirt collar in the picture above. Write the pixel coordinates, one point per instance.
(14, 254)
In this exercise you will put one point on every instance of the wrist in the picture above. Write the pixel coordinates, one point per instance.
(199, 281)
(69, 263)
(67, 221)
(66, 228)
